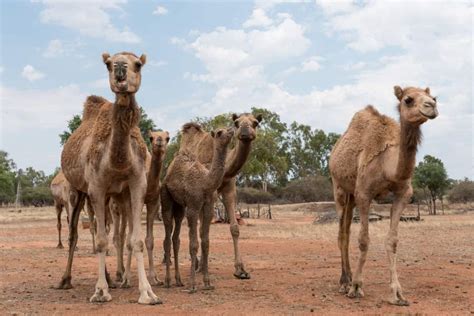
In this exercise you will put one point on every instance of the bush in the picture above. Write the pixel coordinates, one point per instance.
(308, 189)
(462, 192)
(253, 196)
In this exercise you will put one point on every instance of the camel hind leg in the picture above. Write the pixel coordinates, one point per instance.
(77, 202)
(344, 206)
(151, 211)
(59, 210)
(178, 214)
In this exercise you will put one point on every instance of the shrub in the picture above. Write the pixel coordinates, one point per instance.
(253, 196)
(308, 189)
(462, 192)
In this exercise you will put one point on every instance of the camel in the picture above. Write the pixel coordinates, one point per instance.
(376, 155)
(159, 141)
(245, 133)
(60, 189)
(189, 190)
(106, 158)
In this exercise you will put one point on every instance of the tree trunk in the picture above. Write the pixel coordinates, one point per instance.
(434, 206)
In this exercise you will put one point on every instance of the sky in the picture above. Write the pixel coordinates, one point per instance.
(315, 62)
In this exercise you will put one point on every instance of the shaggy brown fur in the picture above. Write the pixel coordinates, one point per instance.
(189, 189)
(374, 156)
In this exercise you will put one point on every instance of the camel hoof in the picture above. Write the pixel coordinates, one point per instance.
(192, 290)
(125, 284)
(399, 302)
(100, 297)
(65, 284)
(118, 277)
(179, 283)
(209, 287)
(242, 275)
(155, 281)
(355, 292)
(60, 246)
(147, 300)
(344, 289)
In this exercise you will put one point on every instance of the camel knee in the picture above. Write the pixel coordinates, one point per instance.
(391, 244)
(136, 245)
(234, 230)
(102, 244)
(364, 243)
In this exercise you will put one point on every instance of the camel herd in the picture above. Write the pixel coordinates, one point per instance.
(106, 164)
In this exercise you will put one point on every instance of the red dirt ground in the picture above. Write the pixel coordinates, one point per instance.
(294, 265)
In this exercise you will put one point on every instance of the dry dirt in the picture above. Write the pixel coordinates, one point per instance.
(294, 266)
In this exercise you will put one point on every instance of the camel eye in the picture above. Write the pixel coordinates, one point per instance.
(138, 66)
(409, 101)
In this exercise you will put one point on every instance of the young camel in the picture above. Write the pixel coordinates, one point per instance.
(159, 141)
(105, 157)
(189, 189)
(374, 156)
(201, 144)
(60, 189)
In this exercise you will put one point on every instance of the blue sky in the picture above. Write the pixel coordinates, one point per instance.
(315, 62)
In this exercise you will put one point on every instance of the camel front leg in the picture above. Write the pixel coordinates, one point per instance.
(206, 218)
(137, 195)
(363, 204)
(178, 214)
(120, 225)
(98, 201)
(151, 210)
(401, 200)
(167, 214)
(193, 244)
(229, 197)
(77, 201)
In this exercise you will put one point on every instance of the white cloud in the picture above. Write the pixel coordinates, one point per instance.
(57, 48)
(258, 19)
(160, 10)
(157, 63)
(90, 18)
(31, 74)
(39, 109)
(312, 64)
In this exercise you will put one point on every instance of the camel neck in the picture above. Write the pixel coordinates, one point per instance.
(216, 172)
(410, 138)
(125, 116)
(237, 158)
(155, 173)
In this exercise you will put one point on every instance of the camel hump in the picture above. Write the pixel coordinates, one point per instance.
(191, 127)
(92, 107)
(58, 179)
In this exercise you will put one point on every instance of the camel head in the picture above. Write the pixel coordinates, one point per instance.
(124, 71)
(159, 141)
(222, 136)
(246, 126)
(416, 105)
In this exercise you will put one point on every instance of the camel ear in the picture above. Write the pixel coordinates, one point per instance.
(143, 59)
(259, 118)
(427, 90)
(398, 92)
(105, 57)
(234, 116)
(213, 134)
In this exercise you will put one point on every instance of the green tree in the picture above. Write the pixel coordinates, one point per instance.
(145, 125)
(35, 187)
(462, 191)
(309, 150)
(7, 178)
(431, 176)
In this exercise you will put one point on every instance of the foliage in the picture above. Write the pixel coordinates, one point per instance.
(462, 191)
(145, 125)
(253, 196)
(430, 176)
(308, 189)
(7, 178)
(35, 187)
(309, 150)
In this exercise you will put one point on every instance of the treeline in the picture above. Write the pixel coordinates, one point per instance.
(288, 164)
(32, 185)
